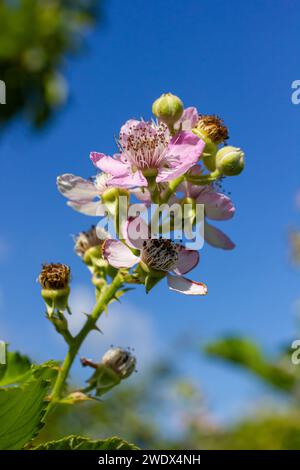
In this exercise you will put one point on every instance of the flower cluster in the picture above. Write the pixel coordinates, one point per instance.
(178, 158)
(176, 161)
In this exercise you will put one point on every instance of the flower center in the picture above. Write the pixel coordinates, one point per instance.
(160, 254)
(145, 146)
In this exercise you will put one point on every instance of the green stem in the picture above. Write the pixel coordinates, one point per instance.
(172, 188)
(205, 179)
(166, 196)
(106, 296)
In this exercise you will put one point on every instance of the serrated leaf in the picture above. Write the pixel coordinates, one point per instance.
(18, 369)
(21, 412)
(14, 369)
(82, 443)
(23, 400)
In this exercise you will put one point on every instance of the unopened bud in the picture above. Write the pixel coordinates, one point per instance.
(54, 279)
(121, 361)
(168, 108)
(230, 160)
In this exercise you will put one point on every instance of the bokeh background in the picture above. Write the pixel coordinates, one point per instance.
(75, 71)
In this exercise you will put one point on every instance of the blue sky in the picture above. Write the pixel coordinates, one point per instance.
(236, 59)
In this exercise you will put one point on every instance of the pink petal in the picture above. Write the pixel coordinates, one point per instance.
(135, 231)
(129, 180)
(183, 151)
(109, 164)
(188, 119)
(186, 286)
(216, 238)
(76, 188)
(126, 130)
(217, 205)
(187, 260)
(118, 255)
(142, 194)
(85, 207)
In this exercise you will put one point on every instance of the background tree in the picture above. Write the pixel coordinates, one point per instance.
(36, 36)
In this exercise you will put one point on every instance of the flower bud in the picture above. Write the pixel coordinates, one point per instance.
(54, 279)
(168, 108)
(121, 361)
(230, 160)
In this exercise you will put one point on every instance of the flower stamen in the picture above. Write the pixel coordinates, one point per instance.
(160, 254)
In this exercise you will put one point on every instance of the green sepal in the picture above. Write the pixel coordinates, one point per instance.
(209, 152)
(93, 255)
(110, 198)
(151, 280)
(56, 299)
(103, 380)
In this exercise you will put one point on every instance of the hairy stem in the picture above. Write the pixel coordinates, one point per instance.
(106, 296)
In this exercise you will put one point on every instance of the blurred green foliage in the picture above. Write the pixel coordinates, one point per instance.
(165, 410)
(278, 372)
(35, 38)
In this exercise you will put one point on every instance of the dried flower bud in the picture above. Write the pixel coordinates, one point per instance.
(230, 160)
(54, 276)
(54, 279)
(121, 361)
(213, 128)
(168, 108)
(90, 239)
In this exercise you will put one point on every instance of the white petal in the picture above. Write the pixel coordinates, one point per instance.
(135, 231)
(186, 286)
(76, 188)
(85, 207)
(119, 255)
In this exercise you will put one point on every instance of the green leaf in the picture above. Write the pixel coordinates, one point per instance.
(82, 443)
(21, 412)
(23, 403)
(246, 353)
(15, 368)
(234, 349)
(19, 368)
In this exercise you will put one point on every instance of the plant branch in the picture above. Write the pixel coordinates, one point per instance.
(106, 296)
